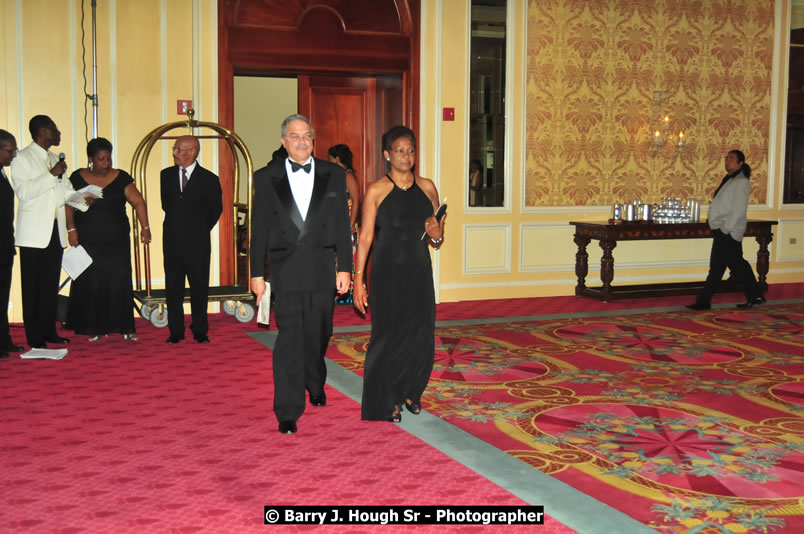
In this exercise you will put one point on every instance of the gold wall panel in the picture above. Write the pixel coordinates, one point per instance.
(592, 69)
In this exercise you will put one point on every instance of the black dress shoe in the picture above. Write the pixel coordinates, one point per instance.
(287, 427)
(318, 400)
(174, 339)
(57, 339)
(14, 348)
(4, 355)
(201, 338)
(699, 306)
(39, 345)
(756, 301)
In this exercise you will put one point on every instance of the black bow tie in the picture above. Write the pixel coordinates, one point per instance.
(296, 166)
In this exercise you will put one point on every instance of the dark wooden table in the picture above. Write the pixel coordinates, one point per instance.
(608, 234)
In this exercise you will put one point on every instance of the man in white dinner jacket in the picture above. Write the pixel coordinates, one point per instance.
(41, 233)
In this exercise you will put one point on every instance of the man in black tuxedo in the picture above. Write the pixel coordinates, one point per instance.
(300, 221)
(8, 149)
(192, 202)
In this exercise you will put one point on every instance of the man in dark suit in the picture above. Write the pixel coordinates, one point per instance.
(8, 149)
(300, 221)
(192, 202)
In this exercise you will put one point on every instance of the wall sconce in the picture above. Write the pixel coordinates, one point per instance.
(663, 135)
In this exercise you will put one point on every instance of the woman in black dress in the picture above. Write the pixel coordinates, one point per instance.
(341, 155)
(101, 298)
(399, 208)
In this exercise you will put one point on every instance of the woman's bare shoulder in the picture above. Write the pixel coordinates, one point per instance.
(382, 184)
(429, 188)
(425, 183)
(379, 189)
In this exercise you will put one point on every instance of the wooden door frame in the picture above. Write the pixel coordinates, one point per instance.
(263, 51)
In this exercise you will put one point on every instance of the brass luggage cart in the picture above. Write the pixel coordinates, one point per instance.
(236, 299)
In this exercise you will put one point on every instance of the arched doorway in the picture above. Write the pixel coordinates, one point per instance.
(360, 57)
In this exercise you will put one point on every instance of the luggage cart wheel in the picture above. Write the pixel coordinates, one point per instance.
(245, 312)
(229, 307)
(159, 316)
(146, 309)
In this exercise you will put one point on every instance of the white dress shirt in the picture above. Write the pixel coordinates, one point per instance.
(301, 185)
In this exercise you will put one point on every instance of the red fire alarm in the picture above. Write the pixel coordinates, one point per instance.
(183, 105)
(449, 114)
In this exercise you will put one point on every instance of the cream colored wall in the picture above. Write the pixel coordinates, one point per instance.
(154, 52)
(519, 251)
(261, 104)
(150, 54)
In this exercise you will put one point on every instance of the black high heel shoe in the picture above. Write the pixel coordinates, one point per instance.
(396, 417)
(413, 407)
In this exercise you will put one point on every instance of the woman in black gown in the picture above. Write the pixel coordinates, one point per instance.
(398, 207)
(341, 155)
(101, 298)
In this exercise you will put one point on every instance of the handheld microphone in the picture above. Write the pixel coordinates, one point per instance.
(62, 157)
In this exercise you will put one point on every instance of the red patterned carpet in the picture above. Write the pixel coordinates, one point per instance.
(448, 311)
(150, 437)
(688, 422)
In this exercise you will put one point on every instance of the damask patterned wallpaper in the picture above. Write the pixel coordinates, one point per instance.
(593, 68)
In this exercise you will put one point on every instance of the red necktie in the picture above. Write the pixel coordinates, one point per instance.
(184, 178)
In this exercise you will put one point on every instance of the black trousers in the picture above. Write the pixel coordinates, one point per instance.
(39, 273)
(6, 265)
(726, 252)
(304, 321)
(181, 262)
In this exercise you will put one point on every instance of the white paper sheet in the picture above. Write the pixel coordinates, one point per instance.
(75, 261)
(78, 200)
(264, 311)
(44, 354)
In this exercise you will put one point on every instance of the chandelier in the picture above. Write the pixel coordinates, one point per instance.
(663, 139)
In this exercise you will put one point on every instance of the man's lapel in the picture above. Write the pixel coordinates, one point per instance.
(196, 172)
(176, 181)
(285, 195)
(320, 183)
(5, 186)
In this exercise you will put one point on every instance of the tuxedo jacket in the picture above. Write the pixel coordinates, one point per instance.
(7, 249)
(189, 215)
(42, 197)
(302, 253)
